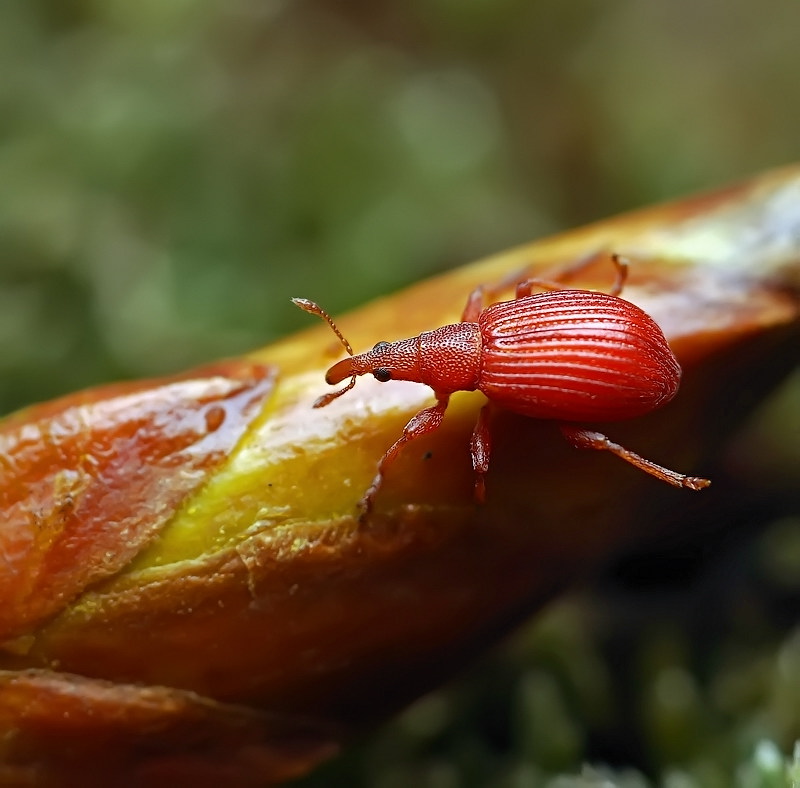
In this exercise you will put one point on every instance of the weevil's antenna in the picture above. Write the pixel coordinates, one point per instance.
(315, 309)
(326, 399)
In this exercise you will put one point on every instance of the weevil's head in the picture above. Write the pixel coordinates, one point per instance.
(386, 361)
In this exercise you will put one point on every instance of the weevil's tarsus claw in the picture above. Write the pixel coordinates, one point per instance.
(696, 483)
(365, 504)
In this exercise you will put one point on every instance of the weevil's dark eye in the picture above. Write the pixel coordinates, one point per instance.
(382, 374)
(380, 345)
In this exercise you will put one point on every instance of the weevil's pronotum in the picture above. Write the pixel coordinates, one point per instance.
(571, 356)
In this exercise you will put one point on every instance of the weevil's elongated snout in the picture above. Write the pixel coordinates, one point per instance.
(346, 368)
(353, 366)
(339, 371)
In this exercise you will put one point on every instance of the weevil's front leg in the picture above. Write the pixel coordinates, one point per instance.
(484, 294)
(582, 438)
(480, 449)
(425, 421)
(525, 284)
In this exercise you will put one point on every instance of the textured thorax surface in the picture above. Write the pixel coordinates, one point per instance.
(450, 357)
(575, 355)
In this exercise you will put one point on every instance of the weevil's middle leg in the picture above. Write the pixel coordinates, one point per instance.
(583, 438)
(427, 420)
(525, 287)
(480, 449)
(571, 270)
(525, 284)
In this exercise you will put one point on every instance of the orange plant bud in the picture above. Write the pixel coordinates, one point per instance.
(186, 589)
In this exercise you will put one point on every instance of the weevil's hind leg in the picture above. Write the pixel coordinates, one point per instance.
(425, 421)
(558, 280)
(480, 449)
(582, 438)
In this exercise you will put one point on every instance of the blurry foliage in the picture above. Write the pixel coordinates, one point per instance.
(172, 172)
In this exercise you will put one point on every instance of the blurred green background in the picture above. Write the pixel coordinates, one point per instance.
(172, 171)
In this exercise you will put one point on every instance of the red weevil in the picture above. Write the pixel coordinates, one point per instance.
(567, 355)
